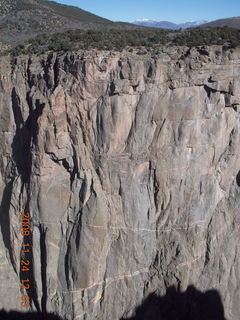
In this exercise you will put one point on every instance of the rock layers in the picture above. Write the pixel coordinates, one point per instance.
(130, 168)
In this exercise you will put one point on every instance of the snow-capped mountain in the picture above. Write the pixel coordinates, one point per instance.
(167, 24)
(192, 24)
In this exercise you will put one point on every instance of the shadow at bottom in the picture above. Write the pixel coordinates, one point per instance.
(15, 315)
(189, 305)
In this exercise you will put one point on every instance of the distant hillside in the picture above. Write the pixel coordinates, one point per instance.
(233, 22)
(73, 13)
(167, 24)
(24, 19)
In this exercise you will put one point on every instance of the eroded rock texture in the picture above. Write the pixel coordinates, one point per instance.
(129, 166)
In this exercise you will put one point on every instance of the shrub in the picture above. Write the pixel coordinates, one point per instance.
(119, 39)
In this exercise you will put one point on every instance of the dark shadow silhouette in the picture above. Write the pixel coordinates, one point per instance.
(15, 315)
(5, 220)
(238, 179)
(189, 305)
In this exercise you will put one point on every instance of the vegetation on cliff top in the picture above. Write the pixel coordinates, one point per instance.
(120, 39)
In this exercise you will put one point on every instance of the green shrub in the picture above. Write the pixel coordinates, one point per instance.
(119, 39)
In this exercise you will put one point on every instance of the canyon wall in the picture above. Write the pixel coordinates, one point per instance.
(129, 166)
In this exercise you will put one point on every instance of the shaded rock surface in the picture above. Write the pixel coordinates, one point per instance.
(129, 166)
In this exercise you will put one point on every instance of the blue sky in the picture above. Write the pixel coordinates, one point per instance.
(171, 10)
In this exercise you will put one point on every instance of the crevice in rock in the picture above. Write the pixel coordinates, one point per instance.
(186, 54)
(155, 189)
(72, 171)
(100, 123)
(67, 264)
(75, 171)
(43, 251)
(46, 65)
(78, 235)
(238, 179)
(5, 221)
(120, 190)
(203, 52)
(208, 245)
(209, 91)
(210, 80)
(121, 76)
(112, 89)
(227, 99)
(56, 73)
(150, 71)
(30, 78)
(53, 157)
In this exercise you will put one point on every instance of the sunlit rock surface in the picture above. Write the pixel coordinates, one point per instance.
(130, 168)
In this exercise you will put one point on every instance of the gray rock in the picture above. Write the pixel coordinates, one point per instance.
(129, 166)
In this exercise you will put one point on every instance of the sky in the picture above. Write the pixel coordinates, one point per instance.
(176, 11)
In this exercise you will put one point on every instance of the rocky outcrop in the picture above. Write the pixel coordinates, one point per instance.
(129, 166)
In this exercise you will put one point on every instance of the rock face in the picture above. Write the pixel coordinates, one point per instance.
(129, 166)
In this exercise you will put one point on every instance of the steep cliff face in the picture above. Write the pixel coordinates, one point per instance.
(129, 166)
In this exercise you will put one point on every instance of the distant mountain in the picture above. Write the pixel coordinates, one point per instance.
(192, 24)
(155, 24)
(233, 22)
(168, 24)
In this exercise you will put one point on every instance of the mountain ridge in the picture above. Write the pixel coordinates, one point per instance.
(168, 24)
